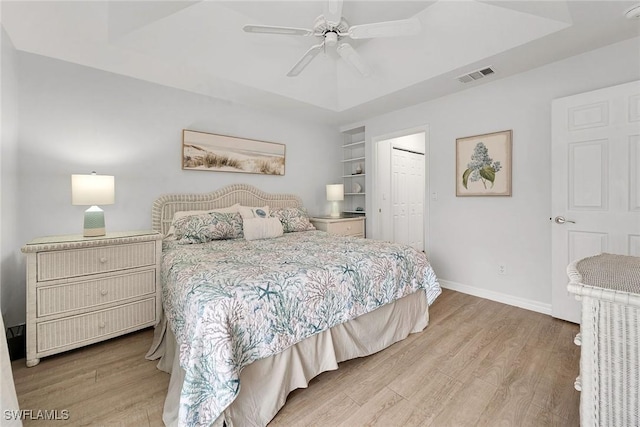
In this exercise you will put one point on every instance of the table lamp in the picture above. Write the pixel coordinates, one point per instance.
(92, 190)
(335, 193)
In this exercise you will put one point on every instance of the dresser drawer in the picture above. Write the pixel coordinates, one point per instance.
(92, 293)
(76, 331)
(80, 262)
(347, 228)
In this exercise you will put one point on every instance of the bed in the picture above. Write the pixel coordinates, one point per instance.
(247, 321)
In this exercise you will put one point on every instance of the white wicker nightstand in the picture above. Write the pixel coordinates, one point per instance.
(81, 290)
(609, 287)
(349, 226)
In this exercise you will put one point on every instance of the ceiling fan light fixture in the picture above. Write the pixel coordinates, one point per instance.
(331, 38)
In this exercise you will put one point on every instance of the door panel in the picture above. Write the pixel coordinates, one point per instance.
(588, 176)
(399, 174)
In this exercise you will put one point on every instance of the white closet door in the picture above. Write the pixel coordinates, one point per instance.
(595, 182)
(407, 181)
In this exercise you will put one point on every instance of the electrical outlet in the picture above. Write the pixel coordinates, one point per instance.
(502, 269)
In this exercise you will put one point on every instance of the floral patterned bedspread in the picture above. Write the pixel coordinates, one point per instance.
(230, 302)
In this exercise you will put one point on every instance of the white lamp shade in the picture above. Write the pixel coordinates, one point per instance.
(335, 192)
(90, 190)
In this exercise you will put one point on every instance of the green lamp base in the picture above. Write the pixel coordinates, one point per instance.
(94, 222)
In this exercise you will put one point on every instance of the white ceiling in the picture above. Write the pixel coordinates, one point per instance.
(200, 46)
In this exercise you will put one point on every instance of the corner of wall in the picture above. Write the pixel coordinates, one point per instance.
(10, 261)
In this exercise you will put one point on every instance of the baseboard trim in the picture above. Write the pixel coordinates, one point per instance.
(497, 296)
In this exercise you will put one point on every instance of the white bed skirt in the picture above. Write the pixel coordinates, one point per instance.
(265, 384)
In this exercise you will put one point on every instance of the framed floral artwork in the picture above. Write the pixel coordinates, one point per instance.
(483, 164)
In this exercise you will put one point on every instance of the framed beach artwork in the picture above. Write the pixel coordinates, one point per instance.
(483, 165)
(211, 152)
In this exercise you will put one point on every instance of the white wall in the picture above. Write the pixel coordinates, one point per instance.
(470, 236)
(10, 290)
(75, 119)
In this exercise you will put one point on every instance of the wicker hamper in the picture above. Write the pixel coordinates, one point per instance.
(609, 288)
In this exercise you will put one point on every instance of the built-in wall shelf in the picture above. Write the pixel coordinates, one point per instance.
(353, 144)
(353, 173)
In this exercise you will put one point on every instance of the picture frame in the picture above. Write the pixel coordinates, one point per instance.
(483, 164)
(204, 151)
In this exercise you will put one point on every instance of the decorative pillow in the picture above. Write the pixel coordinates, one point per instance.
(253, 212)
(293, 219)
(182, 214)
(259, 228)
(207, 227)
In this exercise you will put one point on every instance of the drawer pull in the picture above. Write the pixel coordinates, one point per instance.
(349, 228)
(103, 259)
(104, 292)
(101, 325)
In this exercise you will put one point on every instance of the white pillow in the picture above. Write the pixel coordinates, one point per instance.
(254, 212)
(182, 214)
(259, 228)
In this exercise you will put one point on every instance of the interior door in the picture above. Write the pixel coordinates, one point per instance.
(595, 182)
(407, 181)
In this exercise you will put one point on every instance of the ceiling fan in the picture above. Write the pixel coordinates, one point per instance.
(331, 28)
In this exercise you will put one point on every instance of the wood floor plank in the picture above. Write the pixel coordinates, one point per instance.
(154, 412)
(497, 364)
(511, 401)
(466, 405)
(477, 361)
(330, 411)
(431, 398)
(556, 392)
(374, 409)
(537, 416)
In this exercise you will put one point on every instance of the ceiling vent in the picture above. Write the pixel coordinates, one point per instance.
(475, 75)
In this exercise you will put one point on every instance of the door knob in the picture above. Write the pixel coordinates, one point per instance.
(561, 220)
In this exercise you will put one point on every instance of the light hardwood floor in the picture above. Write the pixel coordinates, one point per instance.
(478, 363)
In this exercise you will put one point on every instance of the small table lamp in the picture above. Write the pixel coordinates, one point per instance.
(92, 190)
(335, 193)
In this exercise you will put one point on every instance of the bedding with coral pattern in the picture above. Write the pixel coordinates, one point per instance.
(231, 302)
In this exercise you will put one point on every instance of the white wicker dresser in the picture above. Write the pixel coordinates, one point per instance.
(81, 290)
(609, 288)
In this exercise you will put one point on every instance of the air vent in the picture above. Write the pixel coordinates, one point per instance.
(475, 75)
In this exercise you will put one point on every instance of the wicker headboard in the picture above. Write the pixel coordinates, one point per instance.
(165, 206)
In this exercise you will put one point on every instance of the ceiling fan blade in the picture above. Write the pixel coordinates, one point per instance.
(352, 57)
(267, 29)
(332, 12)
(404, 27)
(305, 60)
